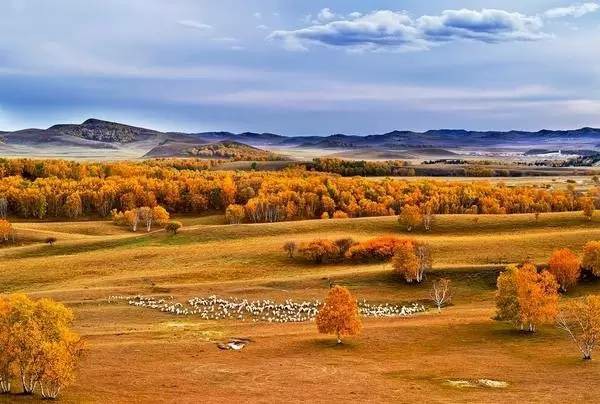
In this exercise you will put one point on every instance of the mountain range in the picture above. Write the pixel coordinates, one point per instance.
(105, 138)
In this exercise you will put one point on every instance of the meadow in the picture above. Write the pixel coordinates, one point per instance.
(135, 354)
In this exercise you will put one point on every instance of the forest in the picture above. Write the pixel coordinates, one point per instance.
(63, 189)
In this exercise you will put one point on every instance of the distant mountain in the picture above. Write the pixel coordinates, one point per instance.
(119, 139)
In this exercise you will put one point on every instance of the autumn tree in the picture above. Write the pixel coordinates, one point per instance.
(591, 257)
(566, 268)
(412, 260)
(410, 217)
(6, 231)
(73, 207)
(319, 250)
(37, 345)
(234, 214)
(580, 318)
(339, 315)
(290, 248)
(441, 294)
(160, 216)
(525, 297)
(173, 227)
(587, 207)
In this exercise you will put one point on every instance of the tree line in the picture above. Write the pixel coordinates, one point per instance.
(61, 189)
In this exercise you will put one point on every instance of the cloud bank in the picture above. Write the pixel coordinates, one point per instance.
(575, 11)
(398, 31)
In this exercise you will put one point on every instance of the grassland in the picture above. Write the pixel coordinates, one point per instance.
(138, 355)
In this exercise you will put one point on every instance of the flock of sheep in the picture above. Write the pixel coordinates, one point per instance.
(215, 308)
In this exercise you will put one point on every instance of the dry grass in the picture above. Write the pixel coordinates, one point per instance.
(155, 357)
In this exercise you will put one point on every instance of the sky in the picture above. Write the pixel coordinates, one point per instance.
(301, 67)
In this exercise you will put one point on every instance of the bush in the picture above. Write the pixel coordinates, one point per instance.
(378, 249)
(320, 250)
(173, 227)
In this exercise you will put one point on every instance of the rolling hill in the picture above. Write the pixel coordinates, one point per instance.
(98, 138)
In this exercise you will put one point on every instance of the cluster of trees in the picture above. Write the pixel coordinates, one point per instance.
(40, 188)
(145, 216)
(528, 297)
(37, 346)
(410, 259)
(234, 151)
(350, 168)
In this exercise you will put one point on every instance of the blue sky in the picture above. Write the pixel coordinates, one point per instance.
(301, 67)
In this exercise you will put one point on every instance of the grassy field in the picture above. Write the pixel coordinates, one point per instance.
(139, 355)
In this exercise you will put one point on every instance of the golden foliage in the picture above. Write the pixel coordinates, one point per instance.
(411, 260)
(566, 268)
(525, 297)
(40, 188)
(591, 257)
(339, 315)
(37, 345)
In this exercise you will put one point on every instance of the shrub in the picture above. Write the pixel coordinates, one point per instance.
(290, 248)
(377, 249)
(320, 250)
(173, 227)
(344, 245)
(338, 214)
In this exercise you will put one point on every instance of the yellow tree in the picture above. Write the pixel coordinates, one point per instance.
(410, 217)
(587, 206)
(6, 231)
(339, 315)
(566, 268)
(525, 297)
(591, 257)
(411, 260)
(37, 333)
(580, 318)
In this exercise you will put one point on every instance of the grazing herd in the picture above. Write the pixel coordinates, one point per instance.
(289, 311)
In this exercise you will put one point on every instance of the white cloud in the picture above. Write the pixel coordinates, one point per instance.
(262, 27)
(195, 25)
(397, 31)
(257, 15)
(576, 10)
(386, 30)
(326, 15)
(225, 39)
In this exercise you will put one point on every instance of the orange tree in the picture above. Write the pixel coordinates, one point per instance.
(319, 250)
(410, 217)
(411, 261)
(591, 257)
(525, 297)
(339, 315)
(566, 268)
